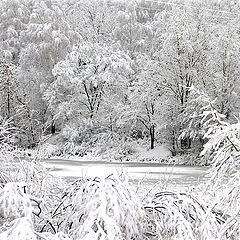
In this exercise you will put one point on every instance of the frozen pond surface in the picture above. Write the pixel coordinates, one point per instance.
(147, 172)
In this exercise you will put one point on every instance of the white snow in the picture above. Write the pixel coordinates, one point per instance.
(135, 171)
(159, 152)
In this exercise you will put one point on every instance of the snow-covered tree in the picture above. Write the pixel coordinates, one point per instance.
(46, 40)
(14, 15)
(223, 77)
(145, 93)
(85, 80)
(132, 30)
(9, 89)
(93, 20)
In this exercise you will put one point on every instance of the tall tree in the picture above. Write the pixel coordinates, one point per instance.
(84, 79)
(9, 89)
(224, 71)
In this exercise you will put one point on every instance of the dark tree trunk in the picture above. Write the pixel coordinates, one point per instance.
(8, 97)
(186, 143)
(53, 128)
(173, 144)
(152, 136)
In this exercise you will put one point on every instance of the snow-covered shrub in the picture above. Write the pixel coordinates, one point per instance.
(225, 201)
(27, 207)
(229, 203)
(43, 189)
(104, 209)
(179, 216)
(14, 203)
(15, 213)
(75, 139)
(18, 229)
(48, 150)
(191, 117)
(221, 148)
(113, 146)
(224, 145)
(62, 208)
(80, 131)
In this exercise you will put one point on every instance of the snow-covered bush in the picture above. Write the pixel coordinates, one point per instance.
(104, 209)
(192, 115)
(14, 203)
(18, 229)
(48, 150)
(179, 216)
(224, 145)
(226, 197)
(221, 148)
(112, 146)
(15, 213)
(43, 189)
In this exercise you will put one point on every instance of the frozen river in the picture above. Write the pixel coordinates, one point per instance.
(147, 172)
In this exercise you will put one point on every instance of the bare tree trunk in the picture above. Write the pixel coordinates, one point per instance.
(53, 128)
(8, 95)
(152, 136)
(173, 144)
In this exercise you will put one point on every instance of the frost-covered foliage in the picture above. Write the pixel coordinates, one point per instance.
(41, 188)
(222, 138)
(6, 139)
(20, 228)
(15, 213)
(103, 209)
(109, 209)
(13, 202)
(222, 146)
(118, 63)
(7, 150)
(179, 216)
(192, 117)
(82, 78)
(90, 140)
(224, 199)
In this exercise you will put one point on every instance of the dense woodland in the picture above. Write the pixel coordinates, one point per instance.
(101, 72)
(106, 76)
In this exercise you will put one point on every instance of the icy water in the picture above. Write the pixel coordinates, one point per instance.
(145, 173)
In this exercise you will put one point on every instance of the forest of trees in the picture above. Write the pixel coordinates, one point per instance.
(94, 75)
(96, 72)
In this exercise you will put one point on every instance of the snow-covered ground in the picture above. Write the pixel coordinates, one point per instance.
(159, 152)
(142, 153)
